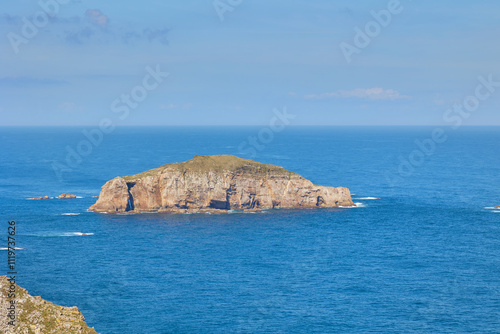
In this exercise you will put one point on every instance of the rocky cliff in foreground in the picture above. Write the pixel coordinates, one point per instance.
(215, 184)
(34, 315)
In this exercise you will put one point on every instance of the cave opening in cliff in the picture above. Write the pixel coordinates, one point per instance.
(221, 205)
(130, 205)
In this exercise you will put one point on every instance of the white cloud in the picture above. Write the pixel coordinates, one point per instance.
(376, 93)
(70, 107)
(439, 100)
(169, 106)
(175, 106)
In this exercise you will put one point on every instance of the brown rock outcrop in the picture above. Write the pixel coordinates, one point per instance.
(42, 197)
(32, 314)
(497, 207)
(66, 196)
(216, 184)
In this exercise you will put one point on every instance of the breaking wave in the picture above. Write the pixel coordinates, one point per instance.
(356, 205)
(65, 234)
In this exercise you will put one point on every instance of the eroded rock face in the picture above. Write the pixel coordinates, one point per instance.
(497, 207)
(216, 184)
(35, 315)
(114, 197)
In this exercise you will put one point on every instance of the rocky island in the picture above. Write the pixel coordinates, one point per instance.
(66, 196)
(32, 314)
(42, 197)
(215, 184)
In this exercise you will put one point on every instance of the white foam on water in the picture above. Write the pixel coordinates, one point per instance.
(65, 234)
(74, 234)
(16, 248)
(368, 198)
(70, 214)
(490, 208)
(79, 197)
(356, 205)
(496, 211)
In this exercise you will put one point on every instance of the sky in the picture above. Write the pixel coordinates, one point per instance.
(232, 62)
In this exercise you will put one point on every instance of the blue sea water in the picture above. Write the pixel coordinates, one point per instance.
(423, 258)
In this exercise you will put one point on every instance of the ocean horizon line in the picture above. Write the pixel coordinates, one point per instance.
(255, 126)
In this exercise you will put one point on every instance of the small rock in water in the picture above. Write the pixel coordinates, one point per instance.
(66, 196)
(42, 197)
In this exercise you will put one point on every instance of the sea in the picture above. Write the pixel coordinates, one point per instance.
(420, 253)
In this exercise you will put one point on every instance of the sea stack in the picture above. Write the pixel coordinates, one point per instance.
(216, 184)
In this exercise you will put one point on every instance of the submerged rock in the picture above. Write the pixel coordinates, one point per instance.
(34, 315)
(216, 184)
(66, 196)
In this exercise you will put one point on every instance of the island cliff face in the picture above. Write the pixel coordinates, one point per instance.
(215, 184)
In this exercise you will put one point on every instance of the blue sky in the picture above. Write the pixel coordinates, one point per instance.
(262, 55)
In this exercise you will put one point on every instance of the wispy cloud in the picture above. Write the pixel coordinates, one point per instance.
(70, 107)
(167, 106)
(8, 19)
(95, 16)
(29, 81)
(376, 93)
(175, 106)
(93, 26)
(159, 35)
(80, 36)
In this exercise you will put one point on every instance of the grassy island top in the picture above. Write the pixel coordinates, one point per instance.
(217, 163)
